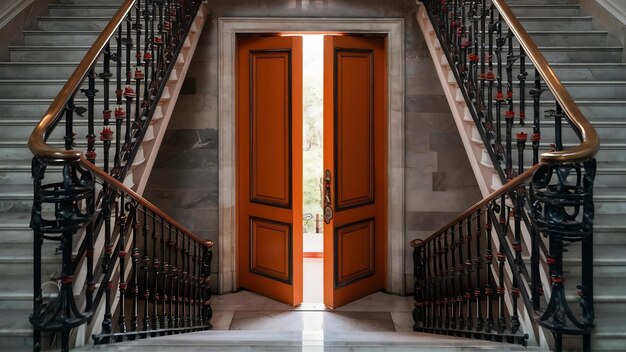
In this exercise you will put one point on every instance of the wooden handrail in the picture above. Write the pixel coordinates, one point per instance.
(522, 178)
(111, 181)
(37, 141)
(584, 151)
(591, 142)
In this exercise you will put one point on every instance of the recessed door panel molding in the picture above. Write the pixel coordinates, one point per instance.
(354, 252)
(270, 127)
(354, 127)
(271, 249)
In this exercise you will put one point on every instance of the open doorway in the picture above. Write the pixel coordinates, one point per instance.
(313, 164)
(270, 165)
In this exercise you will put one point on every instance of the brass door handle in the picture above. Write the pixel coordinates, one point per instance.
(328, 209)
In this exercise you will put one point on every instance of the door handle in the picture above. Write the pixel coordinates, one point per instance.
(328, 209)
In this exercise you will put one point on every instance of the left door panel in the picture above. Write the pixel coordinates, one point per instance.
(269, 166)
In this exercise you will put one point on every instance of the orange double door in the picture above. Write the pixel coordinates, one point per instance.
(269, 167)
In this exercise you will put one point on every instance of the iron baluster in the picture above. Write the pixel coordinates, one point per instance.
(461, 275)
(418, 292)
(165, 270)
(156, 264)
(477, 267)
(500, 41)
(442, 281)
(522, 86)
(207, 311)
(69, 125)
(490, 76)
(119, 110)
(135, 254)
(172, 273)
(535, 92)
(452, 278)
(488, 271)
(501, 230)
(509, 115)
(558, 128)
(146, 273)
(469, 322)
(121, 253)
(448, 288)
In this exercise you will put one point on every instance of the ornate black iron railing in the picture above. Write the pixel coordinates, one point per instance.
(123, 259)
(459, 288)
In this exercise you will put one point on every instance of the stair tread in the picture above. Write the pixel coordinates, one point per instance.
(48, 47)
(13, 190)
(16, 220)
(609, 222)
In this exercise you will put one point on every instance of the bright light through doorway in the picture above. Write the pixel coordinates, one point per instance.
(313, 73)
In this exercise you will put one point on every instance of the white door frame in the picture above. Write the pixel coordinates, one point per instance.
(228, 28)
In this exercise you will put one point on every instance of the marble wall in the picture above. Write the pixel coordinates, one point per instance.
(439, 180)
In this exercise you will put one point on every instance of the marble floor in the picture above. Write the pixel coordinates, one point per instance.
(244, 321)
(248, 311)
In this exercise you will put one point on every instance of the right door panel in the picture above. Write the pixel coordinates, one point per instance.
(355, 166)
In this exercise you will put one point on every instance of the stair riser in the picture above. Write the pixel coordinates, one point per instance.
(8, 203)
(83, 12)
(34, 110)
(569, 40)
(59, 39)
(39, 90)
(24, 235)
(56, 55)
(579, 91)
(548, 132)
(583, 56)
(23, 131)
(16, 341)
(23, 176)
(610, 180)
(609, 207)
(104, 2)
(609, 237)
(21, 152)
(46, 24)
(591, 73)
(546, 11)
(537, 24)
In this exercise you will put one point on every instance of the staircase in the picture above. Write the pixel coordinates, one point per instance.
(589, 62)
(37, 70)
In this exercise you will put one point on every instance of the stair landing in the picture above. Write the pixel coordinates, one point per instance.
(244, 321)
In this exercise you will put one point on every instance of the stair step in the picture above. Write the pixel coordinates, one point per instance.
(339, 341)
(36, 108)
(534, 23)
(16, 197)
(543, 10)
(572, 37)
(581, 53)
(610, 201)
(588, 71)
(34, 53)
(69, 23)
(103, 2)
(48, 88)
(43, 38)
(104, 9)
(14, 227)
(15, 329)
